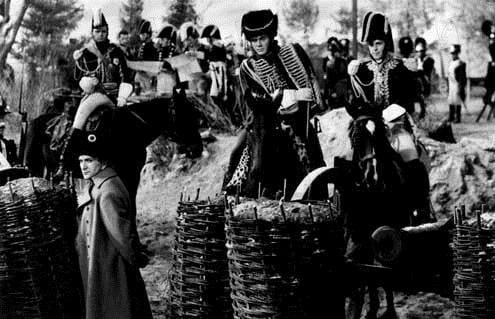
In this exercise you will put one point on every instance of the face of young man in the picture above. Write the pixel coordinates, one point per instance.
(260, 44)
(144, 36)
(124, 40)
(377, 49)
(100, 34)
(90, 166)
(164, 42)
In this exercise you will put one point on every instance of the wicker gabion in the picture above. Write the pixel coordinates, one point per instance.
(474, 269)
(39, 275)
(284, 259)
(199, 280)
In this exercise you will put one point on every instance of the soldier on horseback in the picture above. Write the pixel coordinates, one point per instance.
(279, 146)
(383, 86)
(102, 59)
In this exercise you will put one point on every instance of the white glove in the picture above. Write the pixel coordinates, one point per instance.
(125, 90)
(304, 94)
(353, 67)
(410, 64)
(88, 84)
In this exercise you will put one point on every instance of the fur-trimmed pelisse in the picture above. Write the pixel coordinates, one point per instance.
(211, 31)
(168, 32)
(145, 27)
(377, 27)
(98, 20)
(256, 23)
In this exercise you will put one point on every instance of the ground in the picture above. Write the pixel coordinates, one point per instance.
(161, 189)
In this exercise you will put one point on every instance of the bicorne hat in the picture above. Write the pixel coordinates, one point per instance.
(256, 23)
(211, 31)
(334, 44)
(377, 27)
(168, 32)
(145, 27)
(98, 20)
(188, 29)
(90, 143)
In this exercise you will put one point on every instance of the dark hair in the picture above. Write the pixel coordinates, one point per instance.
(123, 32)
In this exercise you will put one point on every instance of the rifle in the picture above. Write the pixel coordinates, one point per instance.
(24, 123)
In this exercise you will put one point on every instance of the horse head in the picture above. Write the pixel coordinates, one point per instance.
(367, 134)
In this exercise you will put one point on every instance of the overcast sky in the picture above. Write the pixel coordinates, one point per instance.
(224, 13)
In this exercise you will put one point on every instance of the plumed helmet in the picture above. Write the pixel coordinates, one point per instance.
(377, 27)
(168, 32)
(406, 45)
(145, 27)
(255, 23)
(98, 20)
(188, 29)
(211, 31)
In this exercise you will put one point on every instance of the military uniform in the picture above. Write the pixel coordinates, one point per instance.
(377, 85)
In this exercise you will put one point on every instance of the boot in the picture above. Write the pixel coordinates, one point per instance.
(451, 113)
(458, 114)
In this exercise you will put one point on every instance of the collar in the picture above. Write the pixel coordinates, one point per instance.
(103, 175)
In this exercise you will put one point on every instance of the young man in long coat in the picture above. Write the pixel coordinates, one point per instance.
(106, 240)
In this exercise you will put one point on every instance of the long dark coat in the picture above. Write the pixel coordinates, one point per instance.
(107, 249)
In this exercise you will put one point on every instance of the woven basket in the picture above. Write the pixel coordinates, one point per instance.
(199, 278)
(284, 263)
(474, 270)
(39, 275)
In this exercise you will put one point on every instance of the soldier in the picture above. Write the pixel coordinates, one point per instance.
(381, 79)
(335, 75)
(457, 84)
(147, 51)
(426, 66)
(101, 59)
(345, 43)
(124, 38)
(280, 89)
(405, 47)
(167, 42)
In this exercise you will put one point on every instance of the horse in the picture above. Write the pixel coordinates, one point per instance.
(373, 195)
(132, 128)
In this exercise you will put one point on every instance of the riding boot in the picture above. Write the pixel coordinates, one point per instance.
(451, 113)
(458, 114)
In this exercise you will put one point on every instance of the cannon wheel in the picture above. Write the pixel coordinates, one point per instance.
(330, 174)
(10, 174)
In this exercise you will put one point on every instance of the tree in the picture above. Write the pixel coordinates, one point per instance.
(131, 17)
(301, 15)
(46, 25)
(181, 11)
(12, 13)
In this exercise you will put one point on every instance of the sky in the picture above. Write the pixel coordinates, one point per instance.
(224, 13)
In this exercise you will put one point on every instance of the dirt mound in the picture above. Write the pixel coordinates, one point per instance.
(462, 174)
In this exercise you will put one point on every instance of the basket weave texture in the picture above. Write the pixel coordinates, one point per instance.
(284, 263)
(474, 271)
(199, 278)
(39, 275)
